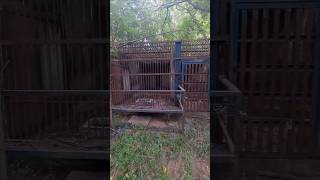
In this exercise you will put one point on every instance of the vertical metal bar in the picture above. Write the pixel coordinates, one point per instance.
(234, 11)
(253, 52)
(265, 31)
(3, 157)
(243, 53)
(178, 62)
(316, 83)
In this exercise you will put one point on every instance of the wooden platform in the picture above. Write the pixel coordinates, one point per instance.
(148, 109)
(143, 103)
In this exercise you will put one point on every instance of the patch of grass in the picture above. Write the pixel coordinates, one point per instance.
(140, 154)
(188, 168)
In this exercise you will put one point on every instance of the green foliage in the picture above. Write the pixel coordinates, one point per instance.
(136, 155)
(150, 19)
(140, 154)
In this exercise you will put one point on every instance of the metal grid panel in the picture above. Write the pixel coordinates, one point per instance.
(273, 48)
(195, 49)
(146, 50)
(195, 81)
(55, 82)
(55, 116)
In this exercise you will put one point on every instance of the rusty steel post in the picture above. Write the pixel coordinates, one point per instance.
(3, 157)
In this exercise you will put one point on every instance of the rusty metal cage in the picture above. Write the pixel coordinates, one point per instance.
(54, 90)
(145, 85)
(274, 60)
(152, 76)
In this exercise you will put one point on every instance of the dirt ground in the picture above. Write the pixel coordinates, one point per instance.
(182, 156)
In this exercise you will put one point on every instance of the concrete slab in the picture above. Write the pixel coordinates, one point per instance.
(140, 120)
(86, 175)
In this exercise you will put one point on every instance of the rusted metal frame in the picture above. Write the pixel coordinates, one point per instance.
(296, 69)
(146, 91)
(56, 154)
(279, 155)
(230, 86)
(296, 54)
(243, 49)
(190, 68)
(102, 68)
(276, 4)
(98, 11)
(215, 31)
(261, 140)
(234, 23)
(53, 92)
(116, 109)
(3, 148)
(283, 83)
(234, 93)
(234, 31)
(17, 9)
(257, 119)
(265, 46)
(316, 84)
(255, 16)
(222, 93)
(289, 39)
(181, 97)
(222, 118)
(148, 74)
(56, 41)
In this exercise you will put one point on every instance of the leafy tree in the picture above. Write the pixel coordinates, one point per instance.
(159, 20)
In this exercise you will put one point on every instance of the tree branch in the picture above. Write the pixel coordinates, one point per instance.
(170, 4)
(198, 7)
(194, 5)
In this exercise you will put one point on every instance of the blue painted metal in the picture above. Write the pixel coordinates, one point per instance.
(178, 63)
(195, 61)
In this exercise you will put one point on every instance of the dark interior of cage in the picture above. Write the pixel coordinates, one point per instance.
(144, 84)
(63, 116)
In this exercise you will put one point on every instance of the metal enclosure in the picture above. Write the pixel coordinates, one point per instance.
(54, 91)
(273, 64)
(163, 77)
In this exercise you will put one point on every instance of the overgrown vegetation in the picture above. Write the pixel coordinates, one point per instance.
(139, 154)
(159, 20)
